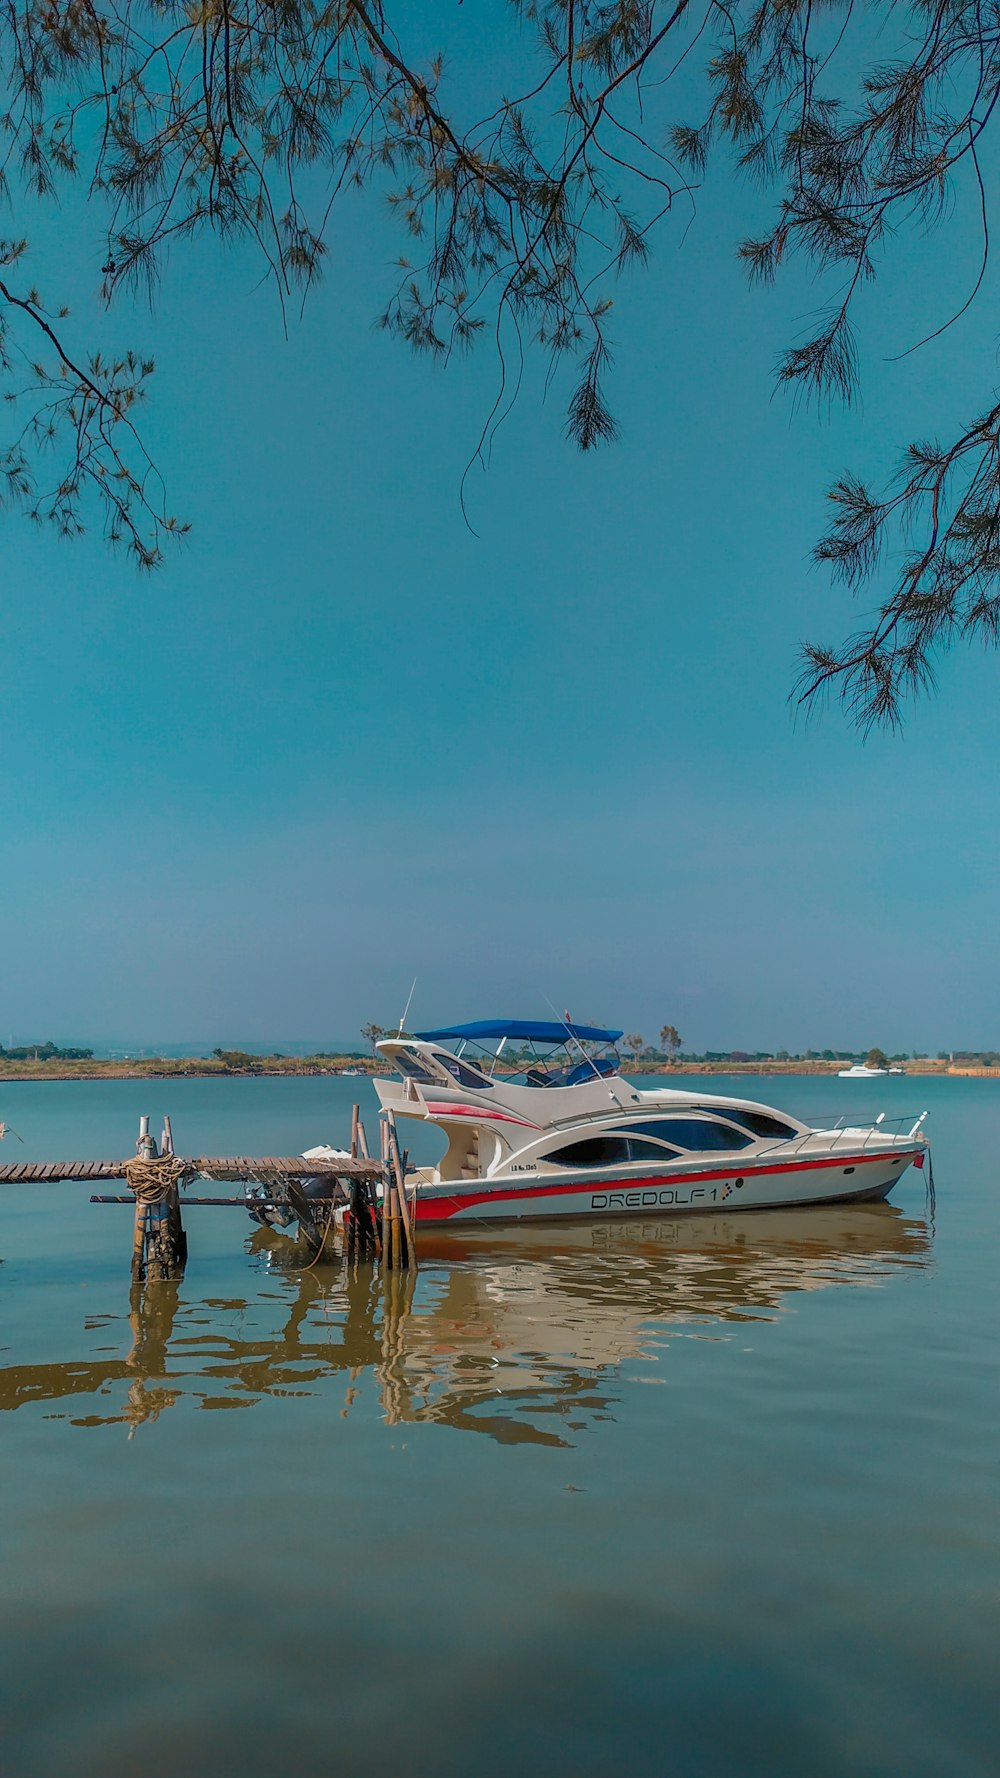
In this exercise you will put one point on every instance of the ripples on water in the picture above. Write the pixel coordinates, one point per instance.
(501, 1336)
(731, 1506)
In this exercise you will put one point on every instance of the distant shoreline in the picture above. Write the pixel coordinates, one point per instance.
(335, 1068)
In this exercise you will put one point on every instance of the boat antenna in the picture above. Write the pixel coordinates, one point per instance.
(571, 1034)
(402, 1022)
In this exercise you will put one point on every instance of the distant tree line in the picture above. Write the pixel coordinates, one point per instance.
(247, 1061)
(875, 1057)
(43, 1052)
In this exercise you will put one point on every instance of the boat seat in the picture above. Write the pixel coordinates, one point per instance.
(601, 1065)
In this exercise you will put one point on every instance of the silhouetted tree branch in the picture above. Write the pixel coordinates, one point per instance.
(519, 212)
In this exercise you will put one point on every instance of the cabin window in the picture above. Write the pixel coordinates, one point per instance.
(694, 1132)
(594, 1151)
(414, 1068)
(466, 1076)
(649, 1151)
(608, 1151)
(760, 1123)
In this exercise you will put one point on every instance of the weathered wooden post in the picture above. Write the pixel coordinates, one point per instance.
(145, 1148)
(355, 1231)
(397, 1227)
(399, 1174)
(362, 1222)
(159, 1244)
(387, 1239)
(174, 1230)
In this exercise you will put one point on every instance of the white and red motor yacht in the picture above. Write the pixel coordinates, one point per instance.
(540, 1122)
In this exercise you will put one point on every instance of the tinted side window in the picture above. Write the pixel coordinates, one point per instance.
(648, 1151)
(592, 1151)
(693, 1132)
(414, 1069)
(466, 1077)
(608, 1151)
(760, 1123)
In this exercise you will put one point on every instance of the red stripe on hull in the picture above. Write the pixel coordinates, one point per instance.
(440, 1209)
(444, 1109)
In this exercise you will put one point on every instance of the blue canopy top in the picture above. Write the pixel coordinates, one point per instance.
(540, 1030)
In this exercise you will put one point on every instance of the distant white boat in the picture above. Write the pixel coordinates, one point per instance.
(861, 1071)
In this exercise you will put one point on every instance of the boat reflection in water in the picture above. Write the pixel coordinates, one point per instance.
(519, 1336)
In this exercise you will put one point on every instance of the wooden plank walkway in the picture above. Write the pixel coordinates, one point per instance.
(267, 1167)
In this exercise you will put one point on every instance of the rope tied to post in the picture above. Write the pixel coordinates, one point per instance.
(153, 1179)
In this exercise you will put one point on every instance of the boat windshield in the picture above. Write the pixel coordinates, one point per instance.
(536, 1063)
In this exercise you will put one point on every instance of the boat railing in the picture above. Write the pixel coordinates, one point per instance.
(847, 1126)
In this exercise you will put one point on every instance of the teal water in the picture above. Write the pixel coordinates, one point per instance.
(713, 1498)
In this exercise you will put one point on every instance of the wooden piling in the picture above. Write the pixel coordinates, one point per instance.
(177, 1238)
(145, 1148)
(159, 1244)
(374, 1225)
(399, 1175)
(361, 1224)
(383, 1136)
(351, 1231)
(139, 1243)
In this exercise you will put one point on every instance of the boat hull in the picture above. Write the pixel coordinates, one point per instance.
(759, 1184)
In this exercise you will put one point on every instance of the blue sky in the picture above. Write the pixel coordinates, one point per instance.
(339, 741)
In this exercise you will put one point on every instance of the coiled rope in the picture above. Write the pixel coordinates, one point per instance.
(153, 1179)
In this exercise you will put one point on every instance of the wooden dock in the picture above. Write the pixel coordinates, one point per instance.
(256, 1170)
(366, 1198)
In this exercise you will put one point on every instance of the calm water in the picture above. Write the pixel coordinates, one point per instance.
(715, 1497)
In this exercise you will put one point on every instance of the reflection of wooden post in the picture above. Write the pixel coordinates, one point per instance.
(397, 1297)
(151, 1314)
